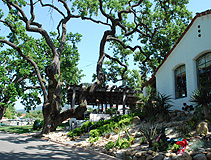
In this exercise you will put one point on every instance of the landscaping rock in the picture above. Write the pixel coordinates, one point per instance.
(200, 157)
(149, 157)
(184, 156)
(159, 157)
(119, 154)
(140, 153)
(136, 120)
(209, 156)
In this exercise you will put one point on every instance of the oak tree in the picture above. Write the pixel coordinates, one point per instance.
(42, 66)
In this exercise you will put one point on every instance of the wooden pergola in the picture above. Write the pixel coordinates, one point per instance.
(104, 95)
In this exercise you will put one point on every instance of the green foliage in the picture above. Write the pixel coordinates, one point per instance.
(75, 132)
(36, 114)
(202, 98)
(143, 140)
(94, 133)
(18, 74)
(163, 21)
(17, 129)
(92, 140)
(124, 144)
(37, 125)
(111, 111)
(175, 148)
(161, 145)
(149, 133)
(10, 112)
(155, 146)
(156, 105)
(86, 125)
(109, 145)
(125, 121)
(183, 130)
(192, 123)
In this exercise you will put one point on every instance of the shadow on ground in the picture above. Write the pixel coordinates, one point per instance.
(18, 147)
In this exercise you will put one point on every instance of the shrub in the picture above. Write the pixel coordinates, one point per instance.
(109, 145)
(175, 147)
(124, 143)
(92, 140)
(85, 126)
(143, 140)
(37, 125)
(125, 121)
(75, 132)
(94, 133)
(149, 133)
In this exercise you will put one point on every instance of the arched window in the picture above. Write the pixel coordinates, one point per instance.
(180, 82)
(203, 65)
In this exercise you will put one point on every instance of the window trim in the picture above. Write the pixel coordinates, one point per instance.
(175, 80)
(197, 66)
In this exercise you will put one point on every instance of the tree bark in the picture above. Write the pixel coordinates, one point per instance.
(2, 111)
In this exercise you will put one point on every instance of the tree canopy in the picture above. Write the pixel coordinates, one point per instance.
(145, 29)
(40, 67)
(47, 65)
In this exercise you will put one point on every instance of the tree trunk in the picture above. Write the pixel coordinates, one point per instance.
(2, 111)
(53, 120)
(206, 111)
(52, 106)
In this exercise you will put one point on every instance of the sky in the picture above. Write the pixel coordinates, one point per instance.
(91, 36)
(89, 46)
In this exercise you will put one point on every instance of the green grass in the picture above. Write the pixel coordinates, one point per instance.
(17, 129)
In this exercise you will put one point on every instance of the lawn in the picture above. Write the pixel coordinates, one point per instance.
(17, 129)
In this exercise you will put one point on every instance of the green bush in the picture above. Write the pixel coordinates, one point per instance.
(94, 133)
(92, 140)
(175, 147)
(75, 132)
(109, 145)
(37, 125)
(125, 145)
(126, 122)
(85, 126)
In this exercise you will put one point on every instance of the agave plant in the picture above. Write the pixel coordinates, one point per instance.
(202, 97)
(163, 104)
(149, 133)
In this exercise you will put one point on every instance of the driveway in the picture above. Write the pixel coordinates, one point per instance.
(22, 147)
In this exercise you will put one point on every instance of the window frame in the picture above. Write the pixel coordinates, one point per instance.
(203, 57)
(184, 89)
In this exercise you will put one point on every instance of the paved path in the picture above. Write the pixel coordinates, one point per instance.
(21, 147)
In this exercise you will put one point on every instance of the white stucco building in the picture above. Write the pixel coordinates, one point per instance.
(188, 64)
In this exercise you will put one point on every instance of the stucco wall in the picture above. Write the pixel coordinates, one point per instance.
(186, 52)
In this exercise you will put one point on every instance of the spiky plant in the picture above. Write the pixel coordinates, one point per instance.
(202, 98)
(149, 133)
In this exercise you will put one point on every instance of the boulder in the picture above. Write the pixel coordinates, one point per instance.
(184, 156)
(209, 156)
(159, 157)
(140, 153)
(199, 157)
(136, 120)
(149, 157)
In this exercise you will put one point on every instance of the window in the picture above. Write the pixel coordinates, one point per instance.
(180, 82)
(203, 65)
